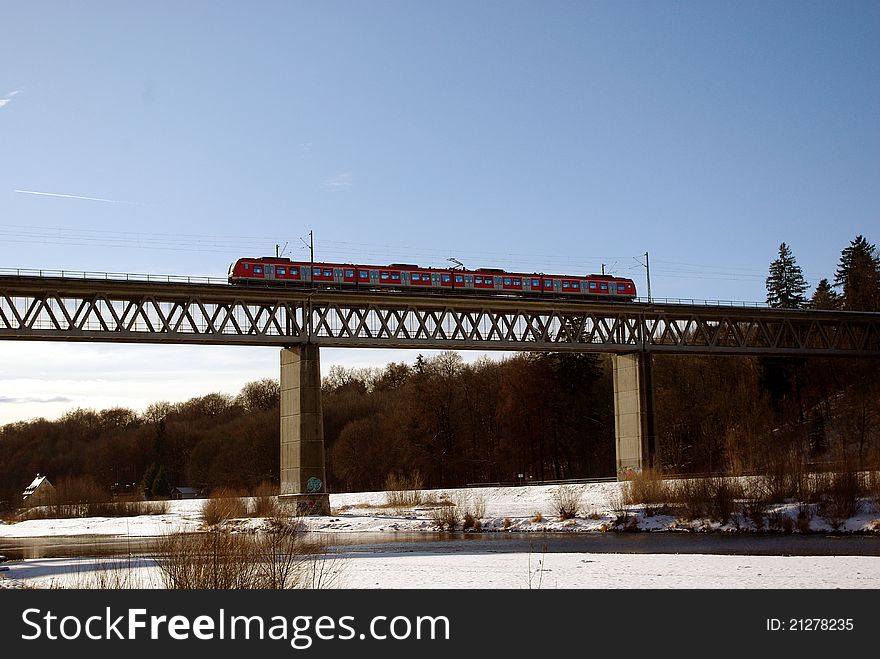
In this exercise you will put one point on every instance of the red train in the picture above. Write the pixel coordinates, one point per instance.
(273, 270)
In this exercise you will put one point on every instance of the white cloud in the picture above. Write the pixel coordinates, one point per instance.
(339, 181)
(47, 379)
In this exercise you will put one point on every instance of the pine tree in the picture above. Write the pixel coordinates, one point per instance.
(825, 297)
(786, 284)
(161, 488)
(147, 481)
(858, 274)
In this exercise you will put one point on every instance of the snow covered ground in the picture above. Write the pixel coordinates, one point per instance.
(507, 509)
(526, 508)
(503, 570)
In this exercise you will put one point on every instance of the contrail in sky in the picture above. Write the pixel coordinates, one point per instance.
(73, 196)
(5, 99)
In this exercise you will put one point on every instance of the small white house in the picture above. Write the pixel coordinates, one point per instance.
(39, 493)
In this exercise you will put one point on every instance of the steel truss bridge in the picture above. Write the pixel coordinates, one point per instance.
(76, 309)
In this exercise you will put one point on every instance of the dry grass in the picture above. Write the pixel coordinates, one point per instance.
(404, 491)
(77, 510)
(445, 516)
(709, 498)
(538, 518)
(276, 559)
(265, 501)
(648, 487)
(224, 504)
(566, 501)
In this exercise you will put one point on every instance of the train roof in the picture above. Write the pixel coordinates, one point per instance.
(411, 266)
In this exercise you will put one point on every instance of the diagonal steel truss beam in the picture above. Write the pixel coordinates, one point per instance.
(39, 309)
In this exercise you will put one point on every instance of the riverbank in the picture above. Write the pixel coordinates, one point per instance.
(531, 509)
(522, 542)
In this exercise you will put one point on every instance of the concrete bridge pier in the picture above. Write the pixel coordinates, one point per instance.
(303, 476)
(633, 412)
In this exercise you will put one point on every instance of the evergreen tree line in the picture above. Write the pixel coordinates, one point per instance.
(857, 279)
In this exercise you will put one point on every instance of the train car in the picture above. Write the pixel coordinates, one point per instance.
(411, 277)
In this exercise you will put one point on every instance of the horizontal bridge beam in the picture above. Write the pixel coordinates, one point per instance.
(153, 312)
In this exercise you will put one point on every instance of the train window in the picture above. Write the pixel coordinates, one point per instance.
(247, 266)
(349, 273)
(383, 276)
(459, 279)
(478, 280)
(416, 276)
(575, 284)
(548, 282)
(280, 271)
(507, 281)
(592, 286)
(364, 274)
(536, 283)
(604, 286)
(516, 282)
(316, 272)
(395, 276)
(621, 287)
(294, 271)
(446, 278)
(328, 273)
(258, 269)
(565, 284)
(489, 280)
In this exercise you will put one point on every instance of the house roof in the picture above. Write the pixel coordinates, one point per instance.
(30, 489)
(185, 490)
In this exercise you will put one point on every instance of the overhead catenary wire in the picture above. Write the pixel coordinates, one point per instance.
(364, 252)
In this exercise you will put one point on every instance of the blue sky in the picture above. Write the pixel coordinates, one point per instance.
(553, 136)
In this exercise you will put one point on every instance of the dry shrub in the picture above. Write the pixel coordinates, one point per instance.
(265, 500)
(223, 505)
(805, 514)
(470, 504)
(839, 500)
(222, 560)
(506, 524)
(755, 509)
(460, 507)
(103, 574)
(647, 487)
(468, 522)
(538, 518)
(404, 490)
(786, 479)
(478, 506)
(872, 488)
(445, 516)
(566, 500)
(725, 493)
(779, 520)
(712, 498)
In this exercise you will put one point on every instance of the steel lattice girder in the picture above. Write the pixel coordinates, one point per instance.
(60, 309)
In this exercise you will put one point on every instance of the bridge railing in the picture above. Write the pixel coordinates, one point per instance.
(110, 276)
(191, 279)
(702, 302)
